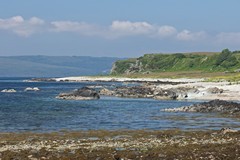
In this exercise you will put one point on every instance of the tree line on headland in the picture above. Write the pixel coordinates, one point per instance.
(225, 61)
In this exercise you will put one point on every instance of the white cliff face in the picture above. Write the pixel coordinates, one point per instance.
(113, 68)
(135, 68)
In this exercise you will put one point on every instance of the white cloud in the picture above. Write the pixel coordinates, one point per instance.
(68, 26)
(20, 26)
(126, 28)
(117, 29)
(77, 27)
(187, 35)
(36, 21)
(11, 22)
(166, 31)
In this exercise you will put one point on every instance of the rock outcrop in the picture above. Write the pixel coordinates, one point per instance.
(149, 91)
(211, 106)
(134, 92)
(84, 93)
(106, 92)
(32, 89)
(228, 130)
(215, 90)
(174, 93)
(145, 91)
(9, 90)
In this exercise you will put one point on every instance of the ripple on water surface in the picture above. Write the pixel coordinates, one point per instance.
(42, 112)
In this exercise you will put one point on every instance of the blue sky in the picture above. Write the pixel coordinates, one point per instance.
(126, 28)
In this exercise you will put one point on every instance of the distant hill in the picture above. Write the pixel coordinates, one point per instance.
(54, 66)
(199, 61)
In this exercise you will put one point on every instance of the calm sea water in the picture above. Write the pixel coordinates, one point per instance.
(42, 112)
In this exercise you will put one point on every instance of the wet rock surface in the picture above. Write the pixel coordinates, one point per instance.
(211, 106)
(41, 80)
(84, 93)
(149, 91)
(105, 145)
(135, 92)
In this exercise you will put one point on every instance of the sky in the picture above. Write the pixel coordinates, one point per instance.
(124, 28)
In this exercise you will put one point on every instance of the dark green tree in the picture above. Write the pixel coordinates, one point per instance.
(224, 55)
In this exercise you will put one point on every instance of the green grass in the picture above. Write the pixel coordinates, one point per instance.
(200, 62)
(209, 76)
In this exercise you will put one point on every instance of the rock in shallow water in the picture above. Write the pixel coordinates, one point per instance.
(32, 89)
(211, 106)
(9, 90)
(84, 93)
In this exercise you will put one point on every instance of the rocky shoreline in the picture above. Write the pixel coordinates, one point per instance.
(116, 79)
(137, 144)
(149, 91)
(162, 91)
(124, 145)
(214, 106)
(165, 88)
(181, 91)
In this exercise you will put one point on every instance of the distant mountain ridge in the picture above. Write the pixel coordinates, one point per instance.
(54, 66)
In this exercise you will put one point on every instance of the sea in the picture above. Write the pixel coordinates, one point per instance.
(40, 111)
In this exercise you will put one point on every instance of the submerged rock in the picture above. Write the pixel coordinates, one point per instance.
(41, 80)
(84, 93)
(211, 106)
(9, 90)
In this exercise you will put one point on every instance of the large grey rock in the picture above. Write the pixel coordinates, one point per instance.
(215, 90)
(211, 106)
(165, 94)
(107, 92)
(174, 93)
(134, 92)
(84, 93)
(149, 91)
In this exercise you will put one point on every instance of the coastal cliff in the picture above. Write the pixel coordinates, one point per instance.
(225, 61)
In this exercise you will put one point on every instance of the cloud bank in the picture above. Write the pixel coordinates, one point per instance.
(117, 29)
(22, 27)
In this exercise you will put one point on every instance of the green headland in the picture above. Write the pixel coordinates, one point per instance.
(224, 64)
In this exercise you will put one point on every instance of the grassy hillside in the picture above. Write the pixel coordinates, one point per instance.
(225, 61)
(54, 66)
